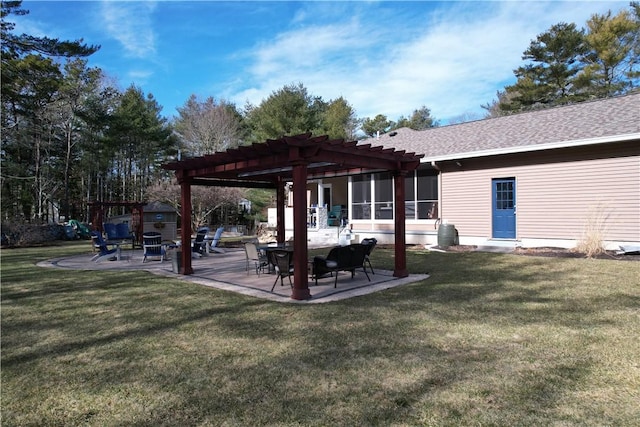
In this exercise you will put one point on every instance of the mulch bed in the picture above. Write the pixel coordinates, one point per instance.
(568, 253)
(544, 251)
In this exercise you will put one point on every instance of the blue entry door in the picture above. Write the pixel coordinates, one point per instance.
(504, 208)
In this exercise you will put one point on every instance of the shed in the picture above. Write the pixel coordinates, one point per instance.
(162, 218)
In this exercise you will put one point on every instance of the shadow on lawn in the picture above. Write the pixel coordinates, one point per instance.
(127, 303)
(380, 359)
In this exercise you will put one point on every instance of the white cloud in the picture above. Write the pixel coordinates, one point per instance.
(131, 25)
(140, 77)
(452, 60)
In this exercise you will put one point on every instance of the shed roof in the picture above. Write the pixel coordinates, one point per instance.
(591, 122)
(157, 206)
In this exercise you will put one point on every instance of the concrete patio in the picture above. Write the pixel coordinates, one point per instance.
(227, 271)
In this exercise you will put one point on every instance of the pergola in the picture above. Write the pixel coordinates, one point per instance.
(294, 159)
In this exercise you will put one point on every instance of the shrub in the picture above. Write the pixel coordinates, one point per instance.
(16, 234)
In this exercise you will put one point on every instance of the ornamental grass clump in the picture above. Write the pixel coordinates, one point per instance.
(592, 241)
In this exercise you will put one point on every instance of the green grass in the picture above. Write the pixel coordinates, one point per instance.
(489, 339)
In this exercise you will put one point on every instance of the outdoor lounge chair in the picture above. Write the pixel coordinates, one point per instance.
(281, 260)
(110, 231)
(118, 233)
(103, 248)
(256, 256)
(340, 258)
(213, 247)
(123, 233)
(152, 246)
(370, 243)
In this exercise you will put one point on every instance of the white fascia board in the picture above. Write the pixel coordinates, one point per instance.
(535, 147)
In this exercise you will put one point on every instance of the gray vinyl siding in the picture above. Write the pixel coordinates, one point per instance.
(556, 196)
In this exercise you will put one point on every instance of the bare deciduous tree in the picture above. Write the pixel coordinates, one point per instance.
(204, 200)
(208, 126)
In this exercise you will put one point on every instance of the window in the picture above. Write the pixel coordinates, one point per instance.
(361, 196)
(424, 184)
(421, 195)
(383, 206)
(504, 195)
(427, 200)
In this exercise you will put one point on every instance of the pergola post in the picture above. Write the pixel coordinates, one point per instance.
(185, 231)
(400, 226)
(280, 211)
(300, 274)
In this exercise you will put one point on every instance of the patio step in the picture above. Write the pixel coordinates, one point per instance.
(498, 246)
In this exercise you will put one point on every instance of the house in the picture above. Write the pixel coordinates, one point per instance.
(550, 177)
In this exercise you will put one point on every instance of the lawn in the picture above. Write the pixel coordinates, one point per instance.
(488, 339)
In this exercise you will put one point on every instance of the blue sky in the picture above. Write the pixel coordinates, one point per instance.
(383, 57)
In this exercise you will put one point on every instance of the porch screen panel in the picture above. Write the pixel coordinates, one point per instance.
(410, 196)
(427, 200)
(361, 196)
(383, 204)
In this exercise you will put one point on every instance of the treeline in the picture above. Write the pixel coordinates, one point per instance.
(70, 135)
(567, 64)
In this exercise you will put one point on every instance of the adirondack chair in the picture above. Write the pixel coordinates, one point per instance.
(110, 231)
(103, 248)
(152, 246)
(123, 233)
(118, 233)
(199, 246)
(213, 247)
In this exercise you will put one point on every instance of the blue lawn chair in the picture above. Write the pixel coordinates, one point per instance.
(102, 246)
(110, 230)
(216, 239)
(123, 233)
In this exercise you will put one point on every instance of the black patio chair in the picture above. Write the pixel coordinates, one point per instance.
(281, 260)
(370, 243)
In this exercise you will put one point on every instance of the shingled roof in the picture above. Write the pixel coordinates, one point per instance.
(592, 122)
